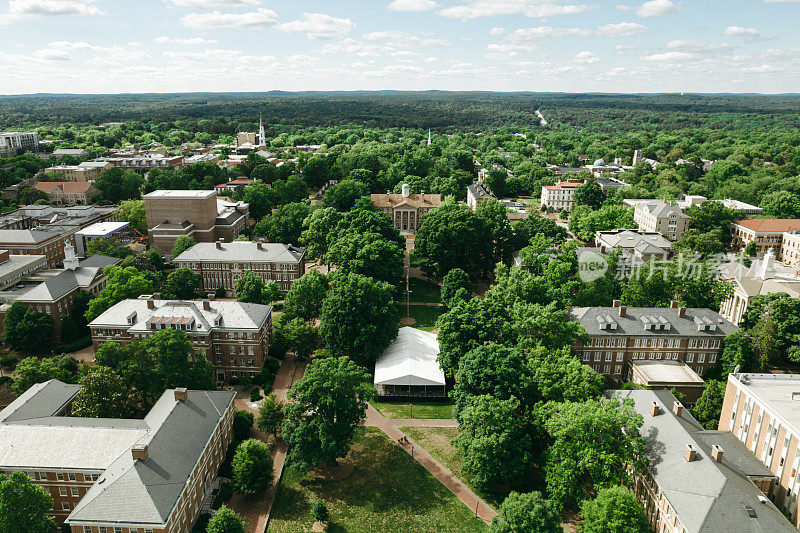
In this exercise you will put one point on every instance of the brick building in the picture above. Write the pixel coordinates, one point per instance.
(66, 192)
(406, 210)
(477, 193)
(198, 214)
(119, 475)
(86, 171)
(697, 480)
(45, 241)
(766, 232)
(619, 335)
(223, 264)
(763, 412)
(234, 337)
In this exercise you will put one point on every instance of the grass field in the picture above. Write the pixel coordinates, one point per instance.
(436, 441)
(379, 489)
(423, 291)
(425, 315)
(421, 409)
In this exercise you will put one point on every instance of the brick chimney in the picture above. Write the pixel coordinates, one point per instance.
(616, 303)
(206, 305)
(681, 312)
(677, 408)
(181, 394)
(219, 244)
(674, 304)
(139, 452)
(716, 452)
(655, 410)
(690, 453)
(212, 296)
(151, 304)
(260, 244)
(156, 296)
(623, 311)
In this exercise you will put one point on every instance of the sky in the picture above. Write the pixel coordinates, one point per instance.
(620, 46)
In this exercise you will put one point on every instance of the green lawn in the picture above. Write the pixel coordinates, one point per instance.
(423, 291)
(436, 441)
(386, 491)
(421, 409)
(425, 315)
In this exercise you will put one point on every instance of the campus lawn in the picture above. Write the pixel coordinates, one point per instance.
(421, 409)
(386, 491)
(423, 291)
(436, 441)
(425, 315)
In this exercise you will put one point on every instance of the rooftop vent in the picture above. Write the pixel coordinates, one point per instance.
(681, 312)
(690, 453)
(139, 452)
(623, 311)
(796, 396)
(206, 305)
(716, 452)
(151, 304)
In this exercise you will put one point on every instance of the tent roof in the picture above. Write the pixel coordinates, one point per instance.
(410, 360)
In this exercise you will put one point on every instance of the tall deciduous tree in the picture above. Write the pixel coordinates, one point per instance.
(132, 212)
(226, 521)
(182, 284)
(285, 225)
(589, 194)
(456, 284)
(306, 295)
(359, 317)
(252, 467)
(270, 415)
(451, 237)
(23, 505)
(709, 405)
(317, 228)
(526, 512)
(330, 402)
(26, 330)
(182, 244)
(103, 394)
(368, 254)
(614, 510)
(121, 283)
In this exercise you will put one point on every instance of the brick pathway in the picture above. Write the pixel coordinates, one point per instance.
(455, 485)
(423, 422)
(256, 510)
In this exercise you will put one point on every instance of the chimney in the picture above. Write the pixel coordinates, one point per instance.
(206, 305)
(219, 244)
(260, 244)
(156, 296)
(616, 303)
(655, 410)
(690, 453)
(681, 312)
(677, 408)
(673, 304)
(422, 196)
(181, 394)
(716, 452)
(139, 452)
(150, 303)
(211, 296)
(623, 311)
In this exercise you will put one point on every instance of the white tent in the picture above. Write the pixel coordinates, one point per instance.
(408, 367)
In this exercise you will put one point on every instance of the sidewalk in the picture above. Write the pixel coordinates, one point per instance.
(455, 485)
(423, 422)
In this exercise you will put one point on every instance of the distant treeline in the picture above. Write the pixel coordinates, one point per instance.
(441, 111)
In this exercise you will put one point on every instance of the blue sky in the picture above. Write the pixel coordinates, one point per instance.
(108, 46)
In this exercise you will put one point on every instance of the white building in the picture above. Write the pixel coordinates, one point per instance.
(13, 142)
(659, 216)
(560, 196)
(408, 367)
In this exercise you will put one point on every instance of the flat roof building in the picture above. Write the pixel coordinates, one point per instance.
(667, 375)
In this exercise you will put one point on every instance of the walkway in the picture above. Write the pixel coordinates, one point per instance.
(423, 422)
(455, 485)
(256, 510)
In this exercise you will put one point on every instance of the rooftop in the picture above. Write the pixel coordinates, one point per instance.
(776, 392)
(646, 242)
(102, 229)
(661, 209)
(410, 360)
(416, 200)
(242, 251)
(771, 225)
(183, 195)
(652, 321)
(668, 373)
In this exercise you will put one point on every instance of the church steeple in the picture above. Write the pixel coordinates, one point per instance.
(262, 138)
(429, 136)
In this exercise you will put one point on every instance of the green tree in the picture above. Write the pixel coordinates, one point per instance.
(614, 510)
(226, 521)
(182, 284)
(584, 221)
(526, 512)
(709, 405)
(250, 288)
(329, 404)
(132, 212)
(595, 444)
(115, 185)
(242, 424)
(451, 237)
(456, 284)
(31, 371)
(306, 294)
(495, 219)
(26, 330)
(317, 229)
(257, 195)
(359, 317)
(121, 283)
(656, 285)
(343, 195)
(23, 505)
(301, 337)
(368, 254)
(270, 415)
(182, 244)
(496, 181)
(496, 447)
(737, 350)
(704, 244)
(252, 467)
(773, 322)
(285, 225)
(136, 366)
(781, 204)
(103, 394)
(590, 194)
(527, 228)
(712, 215)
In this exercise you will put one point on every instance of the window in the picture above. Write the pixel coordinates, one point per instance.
(618, 369)
(117, 529)
(75, 492)
(712, 358)
(597, 356)
(65, 506)
(60, 477)
(608, 356)
(87, 529)
(62, 491)
(586, 356)
(619, 357)
(607, 369)
(690, 357)
(701, 358)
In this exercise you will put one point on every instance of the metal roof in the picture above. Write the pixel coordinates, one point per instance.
(410, 360)
(242, 251)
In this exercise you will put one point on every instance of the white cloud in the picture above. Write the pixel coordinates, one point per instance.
(497, 31)
(431, 59)
(738, 31)
(213, 4)
(669, 57)
(52, 7)
(622, 49)
(412, 5)
(192, 40)
(52, 54)
(217, 55)
(696, 46)
(623, 29)
(586, 57)
(621, 7)
(230, 21)
(404, 40)
(657, 8)
(529, 8)
(319, 26)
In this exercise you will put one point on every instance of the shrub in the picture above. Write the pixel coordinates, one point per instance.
(220, 292)
(242, 424)
(255, 395)
(319, 511)
(223, 496)
(271, 365)
(8, 361)
(252, 467)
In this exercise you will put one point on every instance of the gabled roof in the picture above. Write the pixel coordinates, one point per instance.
(772, 225)
(67, 187)
(633, 323)
(479, 190)
(660, 209)
(243, 251)
(414, 200)
(410, 360)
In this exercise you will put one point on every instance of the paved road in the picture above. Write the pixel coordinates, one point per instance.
(455, 485)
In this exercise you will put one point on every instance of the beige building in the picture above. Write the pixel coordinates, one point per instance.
(619, 335)
(643, 245)
(761, 410)
(86, 171)
(477, 193)
(119, 476)
(790, 248)
(669, 375)
(198, 214)
(66, 192)
(698, 480)
(406, 210)
(765, 232)
(560, 196)
(233, 336)
(661, 217)
(223, 264)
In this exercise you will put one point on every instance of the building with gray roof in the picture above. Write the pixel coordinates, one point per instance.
(643, 245)
(659, 216)
(699, 481)
(477, 193)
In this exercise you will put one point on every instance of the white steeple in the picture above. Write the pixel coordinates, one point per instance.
(262, 138)
(429, 136)
(70, 259)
